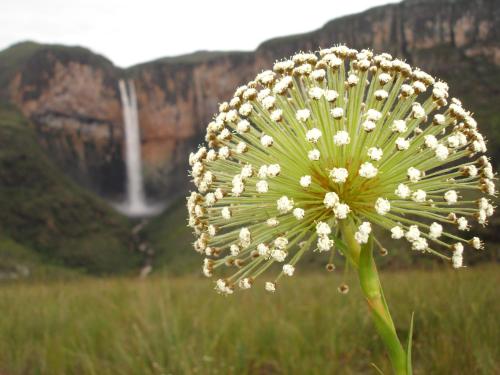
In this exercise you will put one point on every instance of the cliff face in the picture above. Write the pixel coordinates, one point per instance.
(71, 95)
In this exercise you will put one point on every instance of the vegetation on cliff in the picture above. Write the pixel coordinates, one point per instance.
(42, 210)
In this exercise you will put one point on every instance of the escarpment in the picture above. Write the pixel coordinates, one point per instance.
(71, 94)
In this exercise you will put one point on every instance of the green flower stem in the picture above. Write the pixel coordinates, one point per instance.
(362, 258)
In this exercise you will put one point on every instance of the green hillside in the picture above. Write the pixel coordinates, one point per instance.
(42, 210)
(171, 239)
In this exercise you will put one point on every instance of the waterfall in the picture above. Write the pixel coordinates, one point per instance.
(135, 203)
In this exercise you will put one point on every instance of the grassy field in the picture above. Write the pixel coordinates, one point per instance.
(167, 325)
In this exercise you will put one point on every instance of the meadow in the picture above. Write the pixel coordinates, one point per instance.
(179, 325)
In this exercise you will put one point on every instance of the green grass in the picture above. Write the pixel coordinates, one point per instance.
(20, 262)
(180, 326)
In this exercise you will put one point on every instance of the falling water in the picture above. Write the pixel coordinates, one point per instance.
(135, 204)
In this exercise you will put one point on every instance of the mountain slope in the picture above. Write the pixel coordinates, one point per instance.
(43, 210)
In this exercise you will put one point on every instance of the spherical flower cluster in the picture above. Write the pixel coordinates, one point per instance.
(333, 140)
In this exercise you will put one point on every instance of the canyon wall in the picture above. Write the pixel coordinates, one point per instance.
(72, 98)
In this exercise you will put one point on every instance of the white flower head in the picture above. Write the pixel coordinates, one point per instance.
(268, 102)
(272, 222)
(245, 283)
(397, 232)
(323, 229)
(413, 233)
(278, 255)
(298, 213)
(266, 140)
(373, 115)
(375, 153)
(316, 92)
(226, 213)
(270, 286)
(277, 115)
(476, 243)
(303, 115)
(262, 186)
(339, 175)
(331, 199)
(414, 175)
(273, 170)
(390, 149)
(305, 181)
(313, 154)
(431, 141)
(367, 170)
(324, 243)
(463, 224)
(402, 144)
(284, 204)
(288, 269)
(398, 126)
(419, 196)
(363, 233)
(402, 191)
(382, 206)
(313, 135)
(331, 95)
(368, 126)
(435, 230)
(441, 152)
(341, 210)
(281, 243)
(457, 257)
(337, 112)
(451, 197)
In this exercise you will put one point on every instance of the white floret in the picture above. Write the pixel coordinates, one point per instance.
(375, 153)
(419, 196)
(323, 229)
(262, 186)
(451, 197)
(414, 175)
(337, 113)
(402, 191)
(313, 135)
(303, 115)
(314, 155)
(331, 199)
(298, 213)
(284, 204)
(441, 152)
(382, 206)
(288, 269)
(397, 232)
(398, 126)
(266, 140)
(435, 230)
(367, 170)
(339, 175)
(305, 181)
(341, 210)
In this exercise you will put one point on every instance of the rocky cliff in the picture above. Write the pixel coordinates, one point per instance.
(71, 94)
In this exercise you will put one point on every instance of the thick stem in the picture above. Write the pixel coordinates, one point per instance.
(372, 289)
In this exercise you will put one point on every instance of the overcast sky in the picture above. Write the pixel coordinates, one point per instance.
(129, 32)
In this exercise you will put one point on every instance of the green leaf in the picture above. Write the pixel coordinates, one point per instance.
(408, 353)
